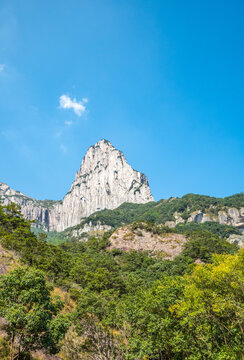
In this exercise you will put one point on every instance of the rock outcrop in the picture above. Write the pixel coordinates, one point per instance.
(231, 216)
(104, 180)
(164, 245)
(236, 239)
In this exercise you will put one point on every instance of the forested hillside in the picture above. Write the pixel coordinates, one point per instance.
(125, 305)
(164, 210)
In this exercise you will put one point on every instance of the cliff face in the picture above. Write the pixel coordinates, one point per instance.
(104, 180)
(32, 209)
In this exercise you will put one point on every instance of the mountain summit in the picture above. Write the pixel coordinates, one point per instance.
(104, 180)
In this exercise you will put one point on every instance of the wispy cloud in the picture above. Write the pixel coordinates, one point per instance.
(58, 133)
(79, 107)
(2, 66)
(63, 148)
(8, 134)
(68, 122)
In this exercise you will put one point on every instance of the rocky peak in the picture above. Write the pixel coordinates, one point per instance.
(5, 190)
(104, 180)
(98, 156)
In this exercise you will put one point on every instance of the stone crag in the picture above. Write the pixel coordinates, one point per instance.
(104, 180)
(231, 216)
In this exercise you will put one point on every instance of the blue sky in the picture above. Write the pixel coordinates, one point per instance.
(162, 80)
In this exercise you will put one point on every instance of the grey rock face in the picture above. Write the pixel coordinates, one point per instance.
(104, 180)
(232, 216)
(237, 239)
(32, 209)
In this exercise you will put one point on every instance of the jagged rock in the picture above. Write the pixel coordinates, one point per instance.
(178, 218)
(104, 180)
(232, 217)
(196, 216)
(236, 239)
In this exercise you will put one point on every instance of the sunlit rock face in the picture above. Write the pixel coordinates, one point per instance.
(231, 216)
(104, 180)
(32, 209)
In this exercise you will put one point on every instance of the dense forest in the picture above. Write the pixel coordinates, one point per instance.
(80, 300)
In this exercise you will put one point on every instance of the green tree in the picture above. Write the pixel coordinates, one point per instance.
(203, 244)
(32, 321)
(147, 321)
(211, 311)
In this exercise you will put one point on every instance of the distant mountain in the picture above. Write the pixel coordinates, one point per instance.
(104, 180)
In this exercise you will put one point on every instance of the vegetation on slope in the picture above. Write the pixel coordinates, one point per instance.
(129, 305)
(52, 237)
(163, 210)
(30, 313)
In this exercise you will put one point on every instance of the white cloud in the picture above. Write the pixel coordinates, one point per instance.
(65, 102)
(2, 66)
(68, 123)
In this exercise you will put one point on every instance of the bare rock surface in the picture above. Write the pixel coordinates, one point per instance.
(236, 239)
(166, 245)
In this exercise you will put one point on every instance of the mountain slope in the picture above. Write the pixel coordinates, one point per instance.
(189, 208)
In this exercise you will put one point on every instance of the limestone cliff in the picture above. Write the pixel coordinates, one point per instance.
(32, 209)
(104, 180)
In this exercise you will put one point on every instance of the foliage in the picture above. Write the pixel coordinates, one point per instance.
(211, 312)
(163, 210)
(129, 305)
(52, 237)
(215, 228)
(26, 304)
(16, 234)
(202, 244)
